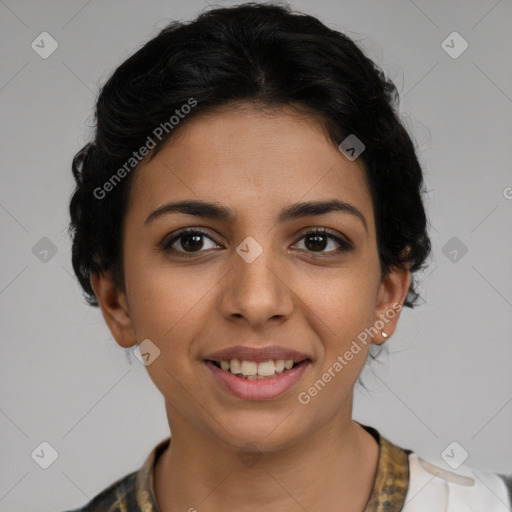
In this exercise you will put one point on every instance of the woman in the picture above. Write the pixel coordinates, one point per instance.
(249, 215)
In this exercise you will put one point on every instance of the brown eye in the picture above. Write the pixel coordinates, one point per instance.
(188, 241)
(191, 242)
(316, 242)
(319, 240)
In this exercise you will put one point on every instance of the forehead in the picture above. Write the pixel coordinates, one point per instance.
(253, 160)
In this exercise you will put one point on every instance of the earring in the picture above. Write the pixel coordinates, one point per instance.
(384, 335)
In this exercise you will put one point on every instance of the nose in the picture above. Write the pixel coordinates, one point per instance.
(257, 291)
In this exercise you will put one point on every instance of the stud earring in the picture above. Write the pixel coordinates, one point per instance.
(384, 335)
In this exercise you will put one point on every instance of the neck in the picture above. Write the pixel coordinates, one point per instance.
(333, 469)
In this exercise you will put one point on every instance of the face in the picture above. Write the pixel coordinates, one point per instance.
(258, 277)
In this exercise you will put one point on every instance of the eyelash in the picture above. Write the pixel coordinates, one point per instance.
(167, 245)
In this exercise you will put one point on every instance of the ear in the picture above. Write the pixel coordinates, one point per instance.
(115, 309)
(392, 293)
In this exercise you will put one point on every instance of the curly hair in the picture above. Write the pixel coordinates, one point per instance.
(256, 53)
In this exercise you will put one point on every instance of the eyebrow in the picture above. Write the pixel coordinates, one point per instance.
(293, 211)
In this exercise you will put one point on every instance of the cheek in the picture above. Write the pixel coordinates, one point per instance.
(167, 303)
(343, 295)
(170, 307)
(340, 306)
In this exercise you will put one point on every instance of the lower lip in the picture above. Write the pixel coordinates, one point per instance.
(259, 389)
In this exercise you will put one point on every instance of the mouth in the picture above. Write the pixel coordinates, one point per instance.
(256, 370)
(257, 380)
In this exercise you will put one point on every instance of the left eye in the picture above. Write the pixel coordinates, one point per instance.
(318, 241)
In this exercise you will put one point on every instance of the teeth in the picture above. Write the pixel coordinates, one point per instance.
(266, 368)
(249, 368)
(279, 365)
(253, 370)
(235, 366)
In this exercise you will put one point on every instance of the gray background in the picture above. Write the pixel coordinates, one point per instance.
(63, 378)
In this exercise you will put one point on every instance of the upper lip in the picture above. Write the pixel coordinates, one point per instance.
(257, 354)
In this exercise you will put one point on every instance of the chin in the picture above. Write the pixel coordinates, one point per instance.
(265, 431)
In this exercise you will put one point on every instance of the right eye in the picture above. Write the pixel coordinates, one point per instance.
(187, 241)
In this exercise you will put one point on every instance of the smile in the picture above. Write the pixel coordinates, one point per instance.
(252, 380)
(253, 370)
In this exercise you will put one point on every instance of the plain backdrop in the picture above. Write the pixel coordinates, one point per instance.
(65, 381)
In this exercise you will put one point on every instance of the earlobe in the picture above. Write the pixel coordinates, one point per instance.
(114, 308)
(392, 293)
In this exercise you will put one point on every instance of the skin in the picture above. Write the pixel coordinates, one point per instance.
(295, 294)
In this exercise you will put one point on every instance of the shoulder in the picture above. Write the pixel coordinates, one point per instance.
(465, 490)
(131, 493)
(120, 496)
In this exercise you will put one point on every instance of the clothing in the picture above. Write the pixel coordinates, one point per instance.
(404, 483)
